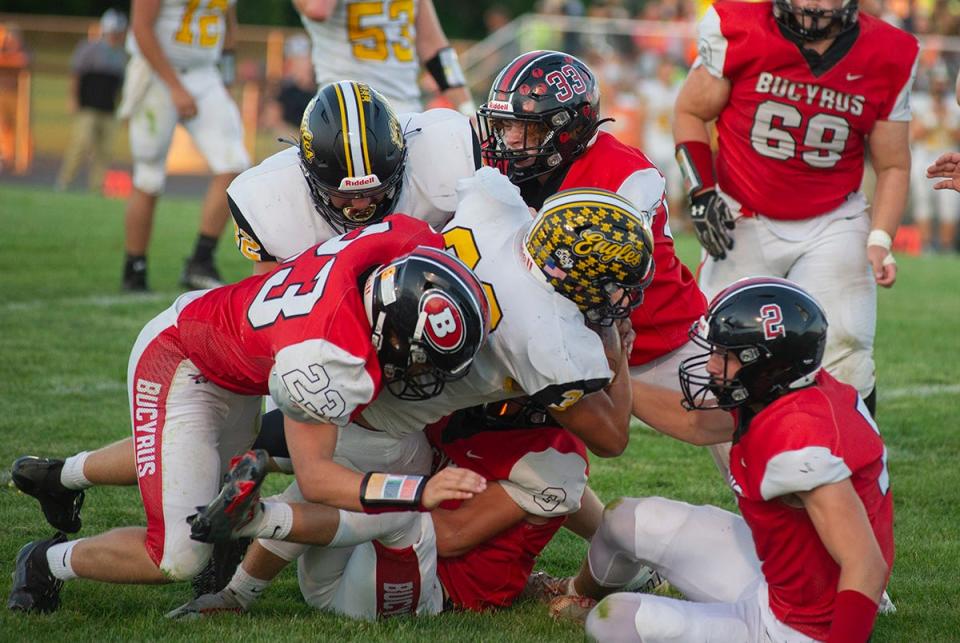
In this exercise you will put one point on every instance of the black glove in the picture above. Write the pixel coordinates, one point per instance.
(711, 219)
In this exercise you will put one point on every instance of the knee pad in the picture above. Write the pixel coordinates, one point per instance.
(612, 620)
(149, 176)
(183, 563)
(612, 555)
(283, 549)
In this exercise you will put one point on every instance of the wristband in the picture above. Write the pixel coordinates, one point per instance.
(445, 69)
(696, 163)
(880, 238)
(853, 616)
(380, 492)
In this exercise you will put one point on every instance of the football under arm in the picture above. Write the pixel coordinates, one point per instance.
(841, 521)
(475, 521)
(663, 410)
(321, 479)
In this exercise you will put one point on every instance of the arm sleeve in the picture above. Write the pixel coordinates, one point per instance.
(711, 44)
(801, 470)
(899, 108)
(246, 239)
(548, 483)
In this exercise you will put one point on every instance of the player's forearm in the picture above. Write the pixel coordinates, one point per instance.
(232, 26)
(326, 482)
(662, 409)
(318, 10)
(150, 49)
(890, 199)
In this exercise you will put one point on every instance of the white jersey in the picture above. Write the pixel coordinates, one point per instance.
(373, 42)
(539, 344)
(274, 213)
(190, 32)
(658, 99)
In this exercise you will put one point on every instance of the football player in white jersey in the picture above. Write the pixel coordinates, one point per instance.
(382, 43)
(588, 255)
(172, 77)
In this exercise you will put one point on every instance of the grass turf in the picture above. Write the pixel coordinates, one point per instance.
(65, 335)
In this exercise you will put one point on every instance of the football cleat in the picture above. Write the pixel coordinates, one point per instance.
(218, 572)
(40, 478)
(237, 503)
(571, 608)
(223, 602)
(543, 588)
(35, 589)
(886, 605)
(199, 275)
(647, 581)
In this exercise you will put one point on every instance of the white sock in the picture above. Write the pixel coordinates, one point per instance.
(399, 530)
(59, 558)
(71, 476)
(245, 587)
(274, 522)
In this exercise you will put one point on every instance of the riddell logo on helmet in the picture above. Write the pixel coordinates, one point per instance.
(444, 324)
(500, 106)
(359, 182)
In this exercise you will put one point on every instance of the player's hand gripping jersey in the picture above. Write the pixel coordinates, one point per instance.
(275, 217)
(813, 437)
(189, 31)
(672, 302)
(370, 40)
(538, 344)
(302, 328)
(788, 132)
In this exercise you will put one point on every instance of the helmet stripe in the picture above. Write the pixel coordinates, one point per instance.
(344, 128)
(367, 168)
(354, 133)
(508, 76)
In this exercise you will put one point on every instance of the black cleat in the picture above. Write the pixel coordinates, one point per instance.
(218, 572)
(40, 478)
(199, 275)
(237, 503)
(35, 589)
(135, 276)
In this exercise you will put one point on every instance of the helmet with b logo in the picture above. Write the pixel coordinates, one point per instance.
(429, 317)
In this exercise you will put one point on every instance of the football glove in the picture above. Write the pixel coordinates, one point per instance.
(712, 219)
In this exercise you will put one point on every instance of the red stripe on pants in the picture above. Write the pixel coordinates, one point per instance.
(151, 385)
(398, 580)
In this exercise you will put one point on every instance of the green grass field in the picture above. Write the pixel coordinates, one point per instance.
(65, 334)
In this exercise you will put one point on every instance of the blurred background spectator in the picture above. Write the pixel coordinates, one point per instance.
(14, 59)
(97, 68)
(284, 108)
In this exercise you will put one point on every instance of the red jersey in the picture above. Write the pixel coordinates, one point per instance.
(791, 141)
(544, 470)
(815, 436)
(305, 320)
(673, 301)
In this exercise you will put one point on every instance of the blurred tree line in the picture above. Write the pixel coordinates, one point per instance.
(460, 19)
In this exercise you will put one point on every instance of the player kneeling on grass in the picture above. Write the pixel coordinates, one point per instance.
(809, 559)
(301, 334)
(475, 554)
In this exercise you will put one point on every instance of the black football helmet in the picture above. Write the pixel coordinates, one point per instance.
(351, 147)
(429, 317)
(596, 249)
(802, 23)
(555, 98)
(774, 327)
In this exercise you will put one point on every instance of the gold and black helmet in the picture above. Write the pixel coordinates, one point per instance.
(351, 147)
(596, 249)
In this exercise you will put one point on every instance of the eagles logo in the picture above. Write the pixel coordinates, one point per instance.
(597, 244)
(306, 137)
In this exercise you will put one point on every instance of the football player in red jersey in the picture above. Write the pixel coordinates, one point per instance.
(812, 553)
(800, 90)
(305, 335)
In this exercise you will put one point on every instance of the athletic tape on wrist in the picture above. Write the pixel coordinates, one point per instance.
(381, 492)
(696, 164)
(880, 238)
(445, 69)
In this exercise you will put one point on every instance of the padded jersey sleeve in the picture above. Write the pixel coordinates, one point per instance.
(712, 45)
(549, 480)
(898, 108)
(317, 382)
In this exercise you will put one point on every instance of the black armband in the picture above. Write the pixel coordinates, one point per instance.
(445, 69)
(381, 492)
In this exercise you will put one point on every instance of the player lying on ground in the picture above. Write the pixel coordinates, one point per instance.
(811, 555)
(302, 334)
(471, 555)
